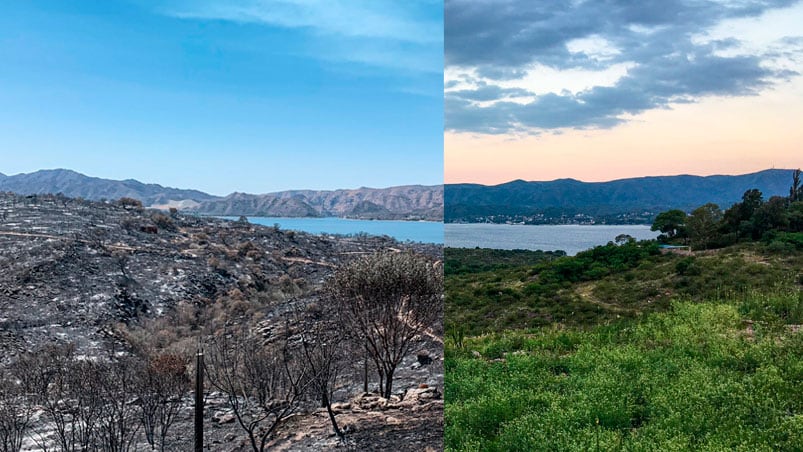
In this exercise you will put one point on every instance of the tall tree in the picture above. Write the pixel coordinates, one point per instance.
(796, 190)
(703, 224)
(16, 414)
(772, 215)
(751, 200)
(320, 346)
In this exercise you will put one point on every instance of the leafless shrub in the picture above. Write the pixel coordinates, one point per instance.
(263, 383)
(249, 249)
(161, 387)
(97, 239)
(164, 222)
(67, 392)
(321, 347)
(16, 410)
(118, 422)
(130, 225)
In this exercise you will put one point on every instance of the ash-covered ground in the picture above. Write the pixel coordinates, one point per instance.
(75, 271)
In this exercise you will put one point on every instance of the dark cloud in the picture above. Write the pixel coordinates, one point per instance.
(673, 79)
(512, 33)
(498, 40)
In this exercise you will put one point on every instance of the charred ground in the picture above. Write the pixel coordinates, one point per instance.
(96, 274)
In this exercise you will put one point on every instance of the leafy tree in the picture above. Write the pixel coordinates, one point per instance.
(795, 216)
(703, 224)
(770, 216)
(739, 217)
(621, 239)
(385, 300)
(751, 200)
(672, 223)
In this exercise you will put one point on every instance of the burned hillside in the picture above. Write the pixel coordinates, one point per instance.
(101, 275)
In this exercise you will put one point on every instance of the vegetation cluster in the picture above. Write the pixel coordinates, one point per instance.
(777, 221)
(104, 404)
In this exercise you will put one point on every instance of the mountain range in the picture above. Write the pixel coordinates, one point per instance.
(551, 201)
(411, 202)
(570, 197)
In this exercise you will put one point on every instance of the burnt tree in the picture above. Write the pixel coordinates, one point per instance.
(386, 300)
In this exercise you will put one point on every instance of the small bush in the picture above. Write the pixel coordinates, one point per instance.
(781, 247)
(163, 221)
(130, 203)
(687, 267)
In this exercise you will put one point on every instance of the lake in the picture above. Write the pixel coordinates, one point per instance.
(415, 231)
(569, 238)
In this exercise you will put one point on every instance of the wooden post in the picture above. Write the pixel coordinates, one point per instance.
(365, 371)
(199, 401)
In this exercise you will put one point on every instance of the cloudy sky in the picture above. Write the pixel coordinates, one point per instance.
(225, 95)
(604, 89)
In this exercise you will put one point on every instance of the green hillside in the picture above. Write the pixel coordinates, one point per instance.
(625, 348)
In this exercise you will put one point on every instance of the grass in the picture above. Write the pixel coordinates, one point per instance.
(692, 378)
(665, 352)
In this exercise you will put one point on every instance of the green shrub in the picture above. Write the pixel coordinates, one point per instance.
(687, 266)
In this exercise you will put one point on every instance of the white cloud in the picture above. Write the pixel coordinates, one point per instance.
(755, 35)
(381, 33)
(540, 79)
(595, 47)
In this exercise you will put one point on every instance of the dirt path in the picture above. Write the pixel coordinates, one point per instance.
(586, 292)
(303, 260)
(55, 237)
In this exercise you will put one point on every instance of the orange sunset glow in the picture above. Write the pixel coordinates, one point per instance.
(717, 136)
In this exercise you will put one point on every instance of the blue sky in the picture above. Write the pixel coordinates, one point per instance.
(222, 96)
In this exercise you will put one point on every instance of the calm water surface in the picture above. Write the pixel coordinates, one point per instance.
(416, 231)
(569, 238)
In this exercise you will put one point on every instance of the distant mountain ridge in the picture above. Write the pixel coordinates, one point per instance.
(75, 185)
(467, 202)
(412, 202)
(403, 202)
